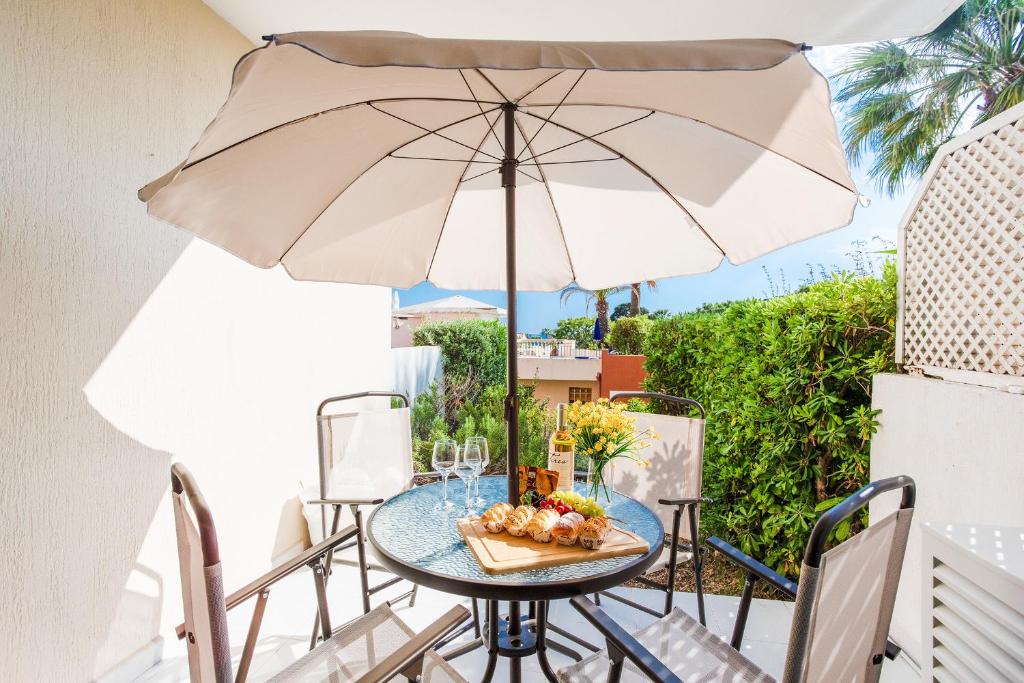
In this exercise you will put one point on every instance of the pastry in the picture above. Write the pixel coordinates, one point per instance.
(567, 528)
(494, 519)
(541, 524)
(515, 523)
(594, 531)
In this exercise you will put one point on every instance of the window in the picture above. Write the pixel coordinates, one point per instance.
(584, 394)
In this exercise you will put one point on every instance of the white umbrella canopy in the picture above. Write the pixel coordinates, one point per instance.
(373, 157)
(390, 159)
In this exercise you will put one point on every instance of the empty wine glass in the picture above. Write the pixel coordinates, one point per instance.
(446, 456)
(466, 469)
(485, 459)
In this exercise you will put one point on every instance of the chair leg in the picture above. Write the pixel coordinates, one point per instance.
(698, 564)
(364, 572)
(673, 557)
(251, 636)
(412, 596)
(320, 581)
(616, 659)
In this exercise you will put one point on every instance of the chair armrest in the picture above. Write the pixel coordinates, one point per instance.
(345, 501)
(623, 641)
(752, 566)
(407, 655)
(281, 571)
(684, 501)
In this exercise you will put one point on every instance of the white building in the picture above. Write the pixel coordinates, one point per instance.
(404, 321)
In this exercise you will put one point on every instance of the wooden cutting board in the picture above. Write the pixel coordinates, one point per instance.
(502, 553)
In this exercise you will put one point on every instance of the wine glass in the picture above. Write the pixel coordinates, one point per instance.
(485, 459)
(446, 456)
(466, 468)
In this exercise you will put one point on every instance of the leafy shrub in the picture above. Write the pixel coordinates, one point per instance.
(473, 352)
(786, 383)
(628, 334)
(579, 329)
(481, 417)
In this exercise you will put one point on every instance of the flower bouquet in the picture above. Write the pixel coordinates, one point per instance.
(603, 432)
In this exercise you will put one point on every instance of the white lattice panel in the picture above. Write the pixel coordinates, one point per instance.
(963, 256)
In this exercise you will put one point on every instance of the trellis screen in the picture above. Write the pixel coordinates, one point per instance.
(962, 255)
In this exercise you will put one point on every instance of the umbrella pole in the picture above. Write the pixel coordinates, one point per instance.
(508, 181)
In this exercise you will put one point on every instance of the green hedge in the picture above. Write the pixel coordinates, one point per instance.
(471, 349)
(628, 334)
(580, 329)
(786, 382)
(482, 417)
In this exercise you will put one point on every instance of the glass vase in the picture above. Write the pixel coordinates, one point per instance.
(600, 481)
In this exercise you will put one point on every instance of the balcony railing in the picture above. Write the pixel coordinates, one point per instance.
(554, 348)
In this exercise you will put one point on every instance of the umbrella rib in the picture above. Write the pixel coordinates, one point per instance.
(573, 161)
(479, 175)
(435, 132)
(539, 86)
(553, 112)
(584, 138)
(473, 95)
(703, 123)
(313, 115)
(451, 201)
(536, 180)
(361, 174)
(461, 161)
(640, 169)
(554, 209)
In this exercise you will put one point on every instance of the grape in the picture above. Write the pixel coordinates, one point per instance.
(585, 506)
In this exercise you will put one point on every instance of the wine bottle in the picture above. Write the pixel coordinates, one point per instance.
(562, 451)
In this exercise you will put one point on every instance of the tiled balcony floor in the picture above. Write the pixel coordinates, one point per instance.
(290, 610)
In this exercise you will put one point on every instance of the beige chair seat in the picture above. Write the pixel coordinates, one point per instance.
(688, 649)
(358, 647)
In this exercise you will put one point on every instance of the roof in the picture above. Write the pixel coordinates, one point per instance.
(819, 22)
(451, 304)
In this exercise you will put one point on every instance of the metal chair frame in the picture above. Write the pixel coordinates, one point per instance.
(406, 661)
(683, 506)
(622, 645)
(356, 506)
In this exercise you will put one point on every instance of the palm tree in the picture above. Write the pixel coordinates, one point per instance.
(634, 295)
(904, 99)
(598, 297)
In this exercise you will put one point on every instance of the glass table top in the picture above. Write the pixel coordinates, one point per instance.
(410, 531)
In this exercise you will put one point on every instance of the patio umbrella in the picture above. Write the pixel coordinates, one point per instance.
(390, 159)
(598, 334)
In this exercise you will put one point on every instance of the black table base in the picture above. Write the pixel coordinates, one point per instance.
(515, 636)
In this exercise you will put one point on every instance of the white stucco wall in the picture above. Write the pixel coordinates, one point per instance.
(964, 447)
(125, 345)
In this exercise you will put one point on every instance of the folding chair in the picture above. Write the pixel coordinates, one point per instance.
(375, 647)
(364, 458)
(840, 626)
(672, 487)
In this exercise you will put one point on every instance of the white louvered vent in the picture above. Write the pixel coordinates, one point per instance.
(975, 614)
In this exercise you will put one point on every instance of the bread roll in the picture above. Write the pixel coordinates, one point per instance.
(541, 525)
(494, 519)
(515, 523)
(567, 528)
(594, 531)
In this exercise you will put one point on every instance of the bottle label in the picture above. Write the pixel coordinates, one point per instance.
(562, 462)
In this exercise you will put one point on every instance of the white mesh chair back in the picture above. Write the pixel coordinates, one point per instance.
(844, 606)
(677, 465)
(202, 594)
(360, 646)
(364, 454)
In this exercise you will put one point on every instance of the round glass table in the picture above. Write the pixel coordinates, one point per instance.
(423, 544)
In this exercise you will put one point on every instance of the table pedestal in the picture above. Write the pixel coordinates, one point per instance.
(517, 638)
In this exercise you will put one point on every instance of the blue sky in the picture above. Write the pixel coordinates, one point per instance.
(875, 224)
